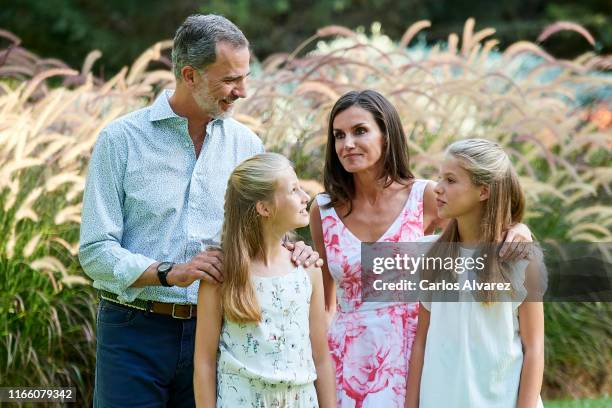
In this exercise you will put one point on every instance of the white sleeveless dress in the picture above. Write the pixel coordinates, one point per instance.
(473, 352)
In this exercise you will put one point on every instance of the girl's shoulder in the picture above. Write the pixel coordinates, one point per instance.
(312, 269)
(314, 274)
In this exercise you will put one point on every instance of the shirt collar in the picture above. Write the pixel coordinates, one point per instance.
(161, 109)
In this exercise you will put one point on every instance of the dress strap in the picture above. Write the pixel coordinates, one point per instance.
(418, 190)
(322, 200)
(330, 223)
(417, 194)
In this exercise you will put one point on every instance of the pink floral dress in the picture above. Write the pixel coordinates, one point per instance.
(369, 342)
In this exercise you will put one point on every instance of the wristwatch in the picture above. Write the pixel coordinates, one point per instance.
(163, 269)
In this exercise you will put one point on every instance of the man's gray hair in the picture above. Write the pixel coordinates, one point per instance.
(196, 40)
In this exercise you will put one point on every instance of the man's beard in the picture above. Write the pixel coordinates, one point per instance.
(210, 105)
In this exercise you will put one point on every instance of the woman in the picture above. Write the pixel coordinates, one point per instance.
(371, 196)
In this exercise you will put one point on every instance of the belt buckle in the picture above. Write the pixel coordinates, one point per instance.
(181, 317)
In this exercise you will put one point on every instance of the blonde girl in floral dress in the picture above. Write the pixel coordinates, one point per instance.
(371, 195)
(261, 340)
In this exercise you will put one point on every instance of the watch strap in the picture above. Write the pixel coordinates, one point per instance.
(162, 273)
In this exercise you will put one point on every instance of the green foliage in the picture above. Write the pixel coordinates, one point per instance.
(594, 14)
(47, 335)
(69, 29)
(578, 346)
(587, 403)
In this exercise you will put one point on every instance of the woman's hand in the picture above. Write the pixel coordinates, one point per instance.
(517, 244)
(303, 254)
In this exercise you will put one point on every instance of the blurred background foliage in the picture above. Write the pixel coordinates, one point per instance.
(69, 29)
(549, 104)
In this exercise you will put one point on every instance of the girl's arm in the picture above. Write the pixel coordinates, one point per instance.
(417, 356)
(531, 329)
(431, 221)
(329, 286)
(208, 331)
(325, 382)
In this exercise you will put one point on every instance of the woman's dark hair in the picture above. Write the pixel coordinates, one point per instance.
(338, 182)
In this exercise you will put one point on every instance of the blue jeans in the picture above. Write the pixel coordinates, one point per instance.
(143, 359)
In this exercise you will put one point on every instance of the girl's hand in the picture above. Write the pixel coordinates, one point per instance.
(303, 254)
(517, 244)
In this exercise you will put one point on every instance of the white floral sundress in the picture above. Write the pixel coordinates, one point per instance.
(269, 364)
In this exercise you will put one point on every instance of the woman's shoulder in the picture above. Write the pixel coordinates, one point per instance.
(322, 199)
(414, 189)
(321, 205)
(421, 184)
(429, 238)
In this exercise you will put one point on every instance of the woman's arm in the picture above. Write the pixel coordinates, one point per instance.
(417, 356)
(431, 221)
(325, 382)
(531, 328)
(208, 331)
(329, 286)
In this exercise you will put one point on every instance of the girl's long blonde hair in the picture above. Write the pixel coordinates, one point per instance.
(488, 165)
(254, 180)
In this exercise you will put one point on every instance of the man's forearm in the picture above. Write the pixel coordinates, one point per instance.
(107, 261)
(148, 277)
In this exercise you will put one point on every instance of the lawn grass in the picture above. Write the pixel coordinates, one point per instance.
(584, 403)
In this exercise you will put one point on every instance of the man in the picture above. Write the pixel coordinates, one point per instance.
(153, 202)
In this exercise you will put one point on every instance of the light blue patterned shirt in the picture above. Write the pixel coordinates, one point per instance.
(147, 197)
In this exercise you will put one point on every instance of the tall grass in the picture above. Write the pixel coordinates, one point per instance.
(523, 98)
(550, 114)
(46, 136)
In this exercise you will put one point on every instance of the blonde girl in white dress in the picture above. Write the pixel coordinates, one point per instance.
(488, 350)
(261, 338)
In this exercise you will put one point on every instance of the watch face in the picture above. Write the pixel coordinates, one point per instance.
(165, 267)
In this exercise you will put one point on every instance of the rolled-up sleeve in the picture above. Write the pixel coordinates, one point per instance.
(101, 255)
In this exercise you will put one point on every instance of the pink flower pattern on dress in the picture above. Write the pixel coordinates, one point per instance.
(351, 284)
(369, 342)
